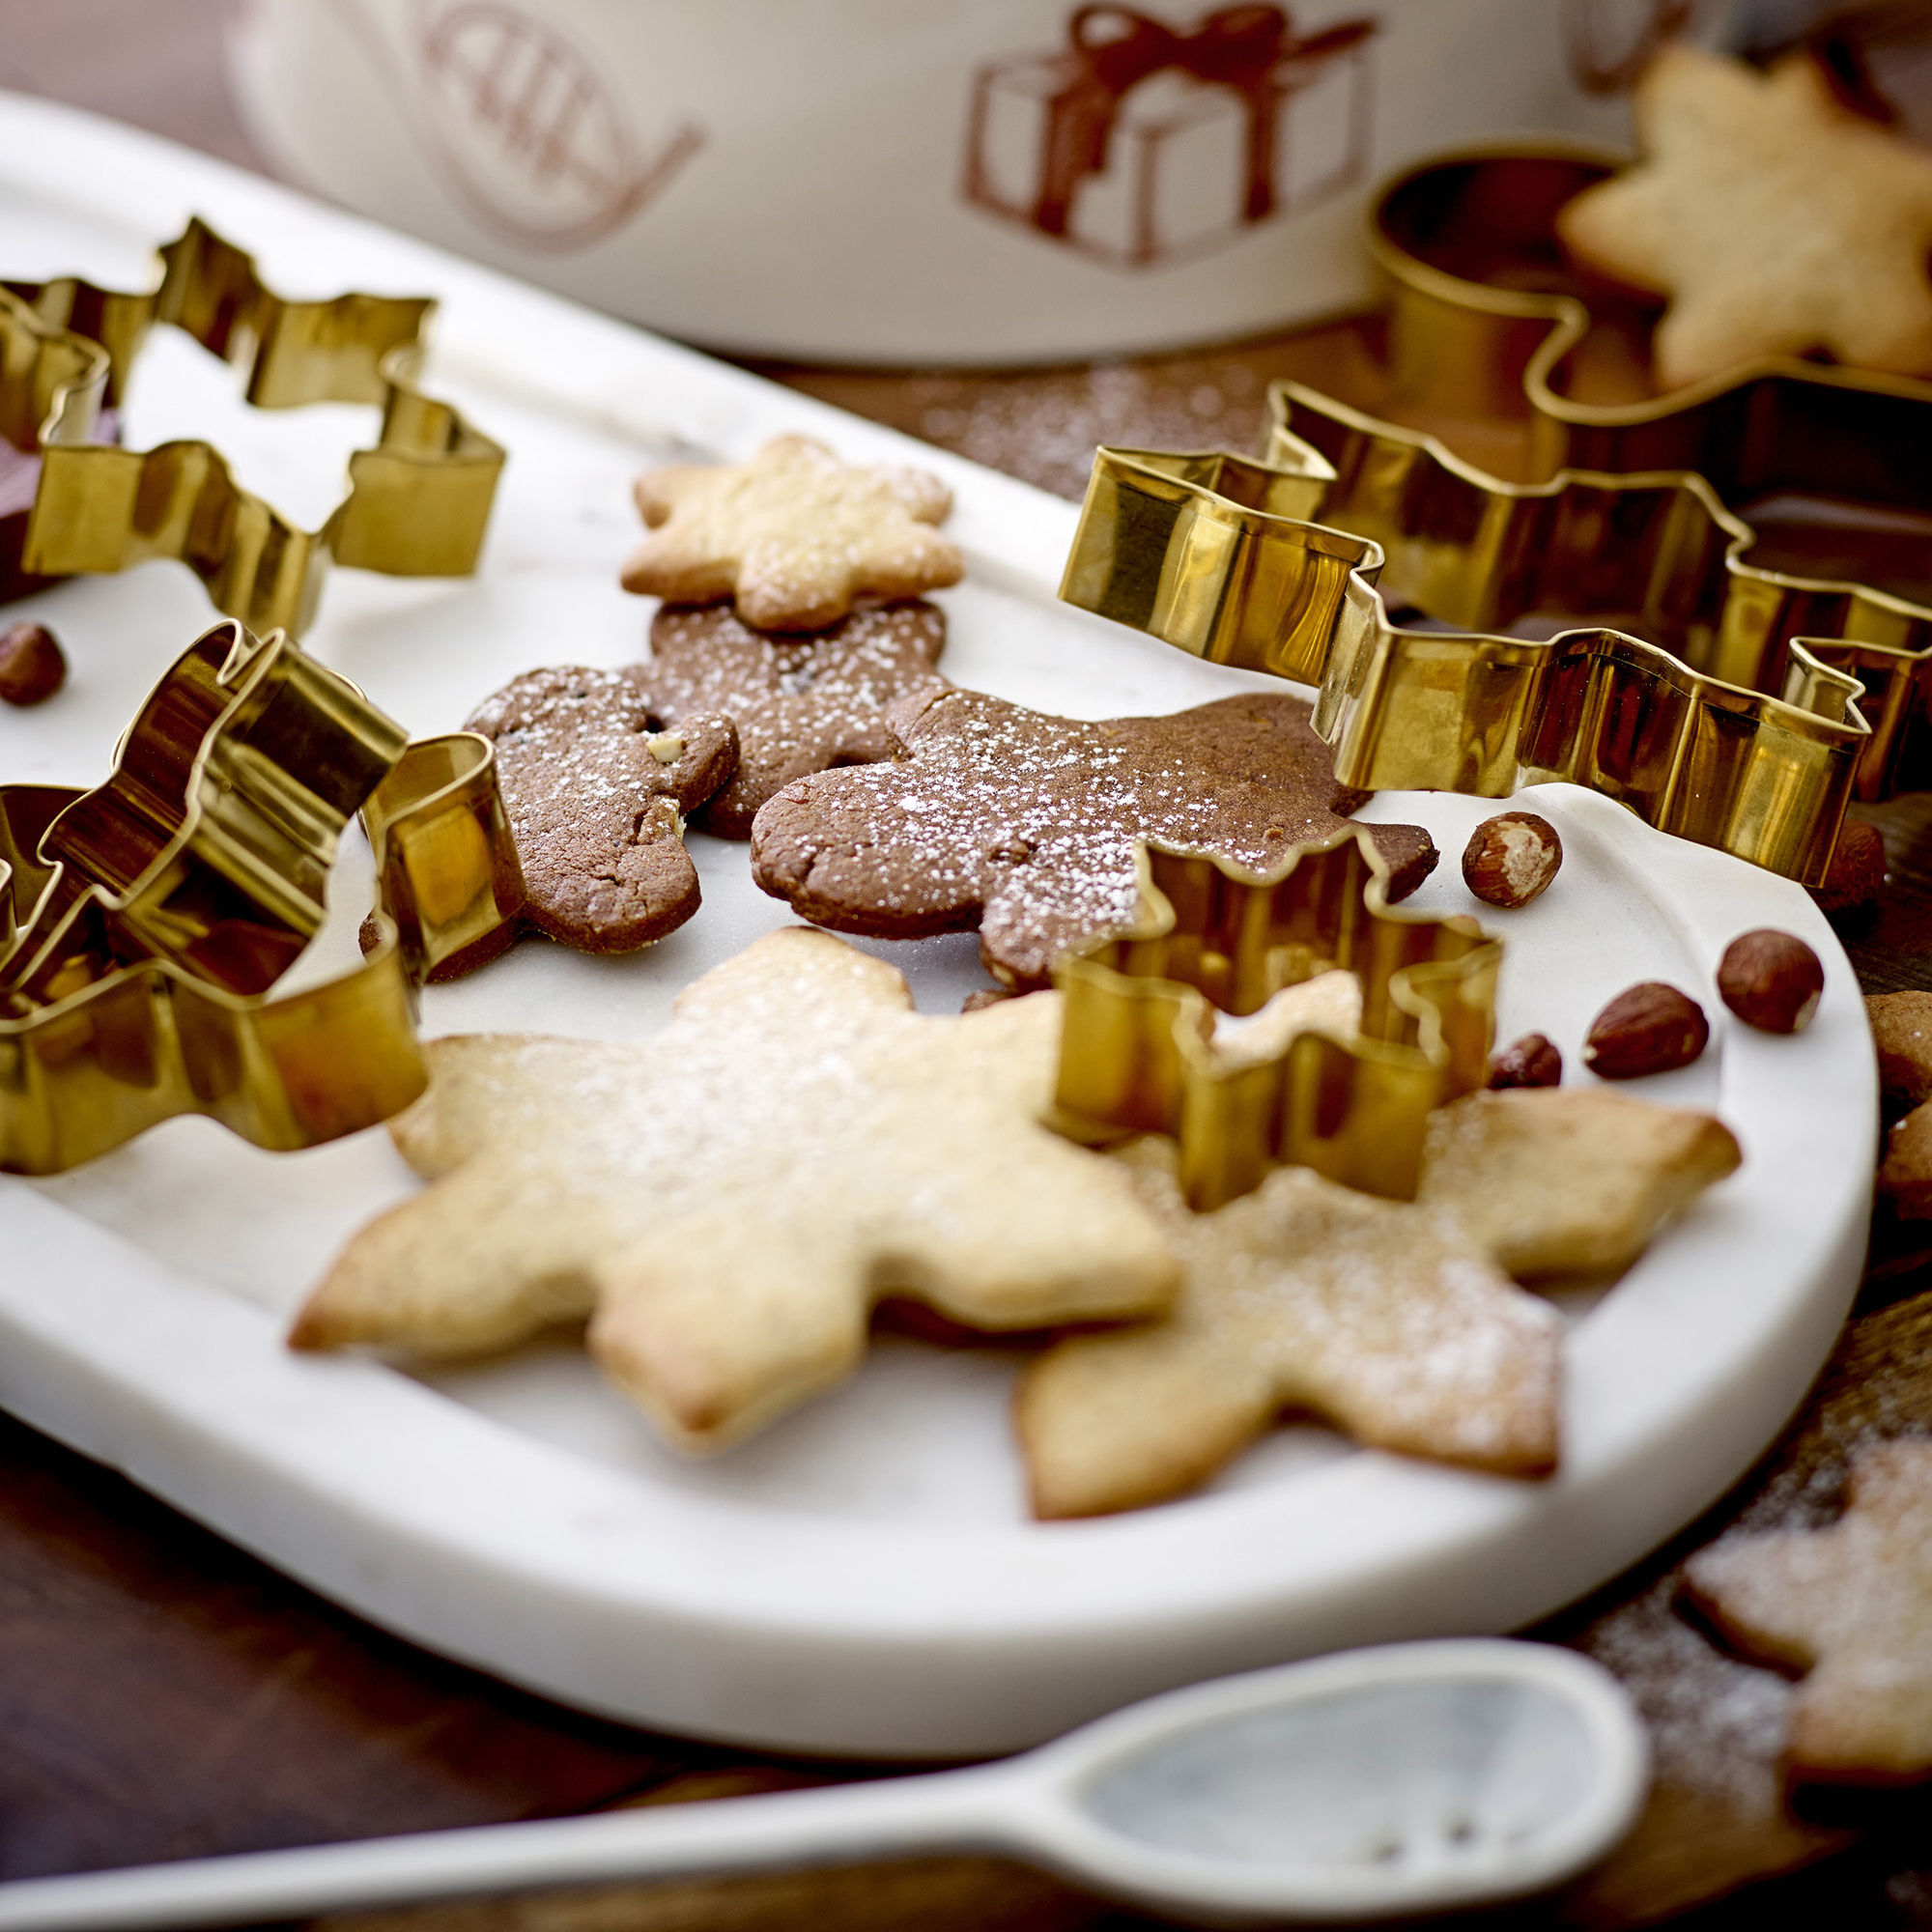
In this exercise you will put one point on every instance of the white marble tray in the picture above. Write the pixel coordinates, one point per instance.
(861, 1578)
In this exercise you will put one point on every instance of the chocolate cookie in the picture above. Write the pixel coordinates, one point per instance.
(596, 792)
(1023, 825)
(801, 700)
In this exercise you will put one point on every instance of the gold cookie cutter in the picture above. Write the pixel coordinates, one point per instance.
(419, 501)
(1734, 728)
(1139, 1052)
(143, 922)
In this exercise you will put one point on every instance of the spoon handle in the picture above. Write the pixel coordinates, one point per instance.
(843, 1825)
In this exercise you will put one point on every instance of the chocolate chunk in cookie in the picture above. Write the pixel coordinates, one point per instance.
(803, 700)
(1024, 825)
(596, 790)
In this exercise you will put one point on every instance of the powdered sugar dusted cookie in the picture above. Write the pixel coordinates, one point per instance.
(1024, 825)
(794, 535)
(1776, 220)
(1850, 1604)
(803, 700)
(1395, 1322)
(728, 1198)
(596, 794)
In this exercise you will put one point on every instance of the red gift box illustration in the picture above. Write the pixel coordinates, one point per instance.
(1141, 141)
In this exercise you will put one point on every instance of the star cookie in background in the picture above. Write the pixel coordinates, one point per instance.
(801, 700)
(1850, 1605)
(1395, 1322)
(1775, 220)
(1901, 1025)
(596, 796)
(795, 536)
(727, 1199)
(1023, 825)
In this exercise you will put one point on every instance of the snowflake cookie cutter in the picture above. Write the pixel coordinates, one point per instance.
(418, 501)
(1747, 704)
(144, 922)
(1138, 1049)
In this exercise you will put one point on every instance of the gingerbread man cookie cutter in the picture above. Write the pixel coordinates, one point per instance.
(143, 922)
(417, 503)
(1139, 1052)
(1755, 702)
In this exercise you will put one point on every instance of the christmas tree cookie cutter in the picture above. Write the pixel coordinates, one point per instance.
(1138, 1051)
(417, 503)
(144, 922)
(1755, 702)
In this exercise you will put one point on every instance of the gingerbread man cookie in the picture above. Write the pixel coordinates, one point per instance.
(1776, 221)
(794, 535)
(596, 795)
(1024, 825)
(727, 1199)
(1851, 1604)
(1397, 1321)
(801, 700)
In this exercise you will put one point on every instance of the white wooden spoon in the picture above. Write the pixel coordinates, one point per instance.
(1396, 1780)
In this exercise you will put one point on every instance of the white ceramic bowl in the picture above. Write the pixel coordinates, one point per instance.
(915, 181)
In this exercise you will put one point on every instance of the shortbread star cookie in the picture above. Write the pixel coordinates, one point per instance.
(1901, 1025)
(794, 535)
(596, 795)
(1395, 1322)
(1024, 825)
(1851, 1604)
(801, 700)
(1775, 220)
(727, 1199)
(1570, 1181)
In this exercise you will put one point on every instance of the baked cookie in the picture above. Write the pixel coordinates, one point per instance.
(1775, 220)
(803, 700)
(1901, 1025)
(727, 1199)
(794, 535)
(1024, 825)
(1397, 1321)
(596, 794)
(1851, 1604)
(1568, 1181)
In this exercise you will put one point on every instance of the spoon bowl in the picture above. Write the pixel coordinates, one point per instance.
(1371, 1784)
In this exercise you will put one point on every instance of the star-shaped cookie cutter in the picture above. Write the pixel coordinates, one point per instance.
(144, 922)
(1138, 1052)
(419, 501)
(1755, 702)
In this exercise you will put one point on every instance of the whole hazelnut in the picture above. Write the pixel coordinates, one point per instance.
(1532, 1061)
(1770, 980)
(1857, 875)
(32, 667)
(1511, 858)
(1649, 1028)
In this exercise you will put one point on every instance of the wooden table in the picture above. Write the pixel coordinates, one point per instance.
(163, 1695)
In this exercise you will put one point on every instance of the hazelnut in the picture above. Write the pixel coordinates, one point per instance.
(32, 667)
(1857, 875)
(1532, 1061)
(1511, 858)
(1770, 980)
(1649, 1028)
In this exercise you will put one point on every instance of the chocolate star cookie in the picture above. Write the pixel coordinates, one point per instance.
(596, 794)
(801, 700)
(1023, 825)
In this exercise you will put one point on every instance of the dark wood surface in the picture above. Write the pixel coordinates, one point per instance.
(163, 1695)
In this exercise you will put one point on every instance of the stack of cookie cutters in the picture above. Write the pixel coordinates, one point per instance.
(419, 501)
(1743, 707)
(144, 922)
